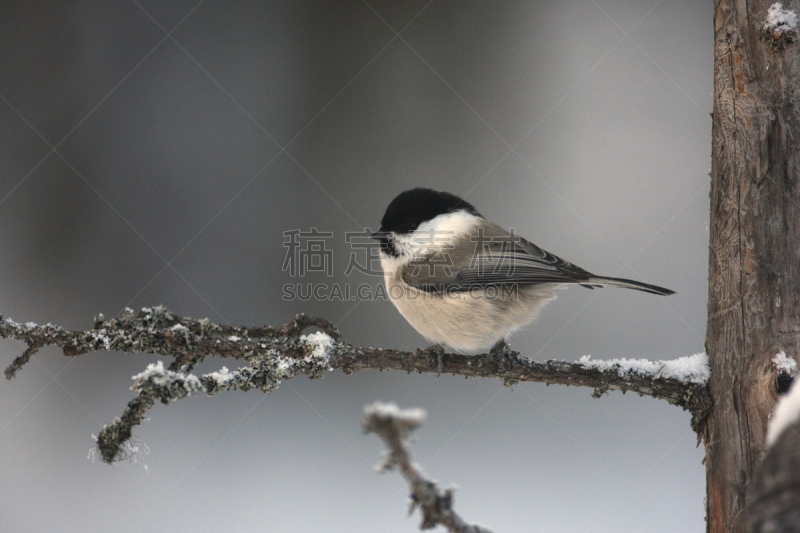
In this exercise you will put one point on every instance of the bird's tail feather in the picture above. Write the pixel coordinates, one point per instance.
(628, 284)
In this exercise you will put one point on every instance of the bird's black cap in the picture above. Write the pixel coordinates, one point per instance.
(411, 208)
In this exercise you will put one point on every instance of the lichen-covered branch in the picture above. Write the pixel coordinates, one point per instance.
(271, 355)
(394, 425)
(158, 331)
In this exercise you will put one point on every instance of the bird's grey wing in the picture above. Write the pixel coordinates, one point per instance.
(494, 257)
(434, 272)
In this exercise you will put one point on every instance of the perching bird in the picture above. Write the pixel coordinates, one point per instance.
(465, 282)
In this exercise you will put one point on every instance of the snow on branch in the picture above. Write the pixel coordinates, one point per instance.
(271, 355)
(785, 364)
(787, 369)
(691, 369)
(780, 28)
(394, 425)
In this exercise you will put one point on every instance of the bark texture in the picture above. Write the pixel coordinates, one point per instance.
(754, 278)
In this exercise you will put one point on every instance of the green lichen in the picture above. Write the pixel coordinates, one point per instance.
(778, 40)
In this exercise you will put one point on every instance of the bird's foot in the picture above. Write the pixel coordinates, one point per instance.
(501, 351)
(504, 357)
(438, 350)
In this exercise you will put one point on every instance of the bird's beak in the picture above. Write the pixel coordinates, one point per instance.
(379, 235)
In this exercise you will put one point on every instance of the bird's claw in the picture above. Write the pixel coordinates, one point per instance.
(438, 349)
(504, 356)
(501, 350)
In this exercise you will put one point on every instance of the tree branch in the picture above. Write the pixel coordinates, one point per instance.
(276, 354)
(394, 425)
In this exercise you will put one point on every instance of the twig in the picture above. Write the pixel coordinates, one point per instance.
(394, 425)
(20, 361)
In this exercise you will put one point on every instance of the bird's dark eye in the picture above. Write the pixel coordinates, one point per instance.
(410, 226)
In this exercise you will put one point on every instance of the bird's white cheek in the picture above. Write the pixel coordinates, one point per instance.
(410, 245)
(391, 265)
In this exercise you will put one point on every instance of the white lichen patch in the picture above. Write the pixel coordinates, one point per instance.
(222, 377)
(784, 363)
(168, 385)
(24, 328)
(29, 327)
(690, 369)
(152, 318)
(267, 369)
(99, 339)
(320, 346)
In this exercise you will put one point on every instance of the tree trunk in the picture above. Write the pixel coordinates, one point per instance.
(754, 264)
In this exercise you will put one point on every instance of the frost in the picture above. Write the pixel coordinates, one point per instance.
(786, 413)
(223, 377)
(323, 344)
(780, 19)
(169, 385)
(267, 369)
(379, 409)
(132, 449)
(27, 327)
(234, 338)
(103, 338)
(179, 327)
(786, 364)
(691, 369)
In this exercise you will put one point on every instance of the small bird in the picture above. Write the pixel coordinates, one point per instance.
(465, 282)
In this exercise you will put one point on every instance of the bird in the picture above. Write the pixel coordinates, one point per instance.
(464, 282)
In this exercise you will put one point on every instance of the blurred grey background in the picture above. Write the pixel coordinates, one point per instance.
(154, 153)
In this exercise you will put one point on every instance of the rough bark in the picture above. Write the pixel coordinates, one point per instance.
(754, 265)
